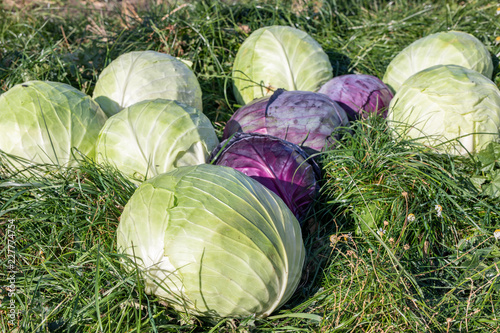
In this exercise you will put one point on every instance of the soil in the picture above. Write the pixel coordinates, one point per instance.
(69, 5)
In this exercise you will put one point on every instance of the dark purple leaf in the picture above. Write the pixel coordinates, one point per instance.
(281, 166)
(305, 118)
(358, 94)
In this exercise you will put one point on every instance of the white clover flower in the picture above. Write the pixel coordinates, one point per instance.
(497, 234)
(411, 217)
(438, 209)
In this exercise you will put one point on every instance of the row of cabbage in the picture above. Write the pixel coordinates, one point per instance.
(215, 226)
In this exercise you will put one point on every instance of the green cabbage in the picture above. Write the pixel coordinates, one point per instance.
(278, 57)
(442, 48)
(152, 137)
(43, 121)
(144, 75)
(212, 241)
(448, 102)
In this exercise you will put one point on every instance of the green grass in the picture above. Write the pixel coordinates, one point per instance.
(433, 274)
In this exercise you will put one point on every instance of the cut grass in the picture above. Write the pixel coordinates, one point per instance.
(434, 274)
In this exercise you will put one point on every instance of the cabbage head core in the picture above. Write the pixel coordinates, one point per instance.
(152, 137)
(143, 75)
(448, 102)
(442, 48)
(212, 241)
(278, 57)
(42, 121)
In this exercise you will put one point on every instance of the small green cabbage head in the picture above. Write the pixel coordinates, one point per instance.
(442, 48)
(278, 57)
(156, 136)
(42, 121)
(212, 241)
(448, 102)
(143, 75)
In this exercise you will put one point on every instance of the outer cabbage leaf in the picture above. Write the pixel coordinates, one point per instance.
(152, 137)
(310, 120)
(359, 94)
(43, 121)
(213, 241)
(250, 118)
(448, 102)
(442, 48)
(143, 75)
(281, 166)
(278, 57)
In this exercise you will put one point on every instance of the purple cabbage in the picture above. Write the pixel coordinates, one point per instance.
(305, 118)
(359, 94)
(251, 115)
(281, 166)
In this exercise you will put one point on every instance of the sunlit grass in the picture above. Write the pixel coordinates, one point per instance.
(399, 241)
(412, 232)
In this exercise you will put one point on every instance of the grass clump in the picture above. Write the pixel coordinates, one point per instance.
(401, 240)
(412, 232)
(401, 189)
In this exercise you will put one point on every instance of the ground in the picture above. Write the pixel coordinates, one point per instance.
(98, 4)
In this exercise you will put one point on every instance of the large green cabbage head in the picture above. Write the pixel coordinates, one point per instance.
(442, 48)
(43, 121)
(152, 137)
(448, 102)
(212, 241)
(142, 75)
(278, 57)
